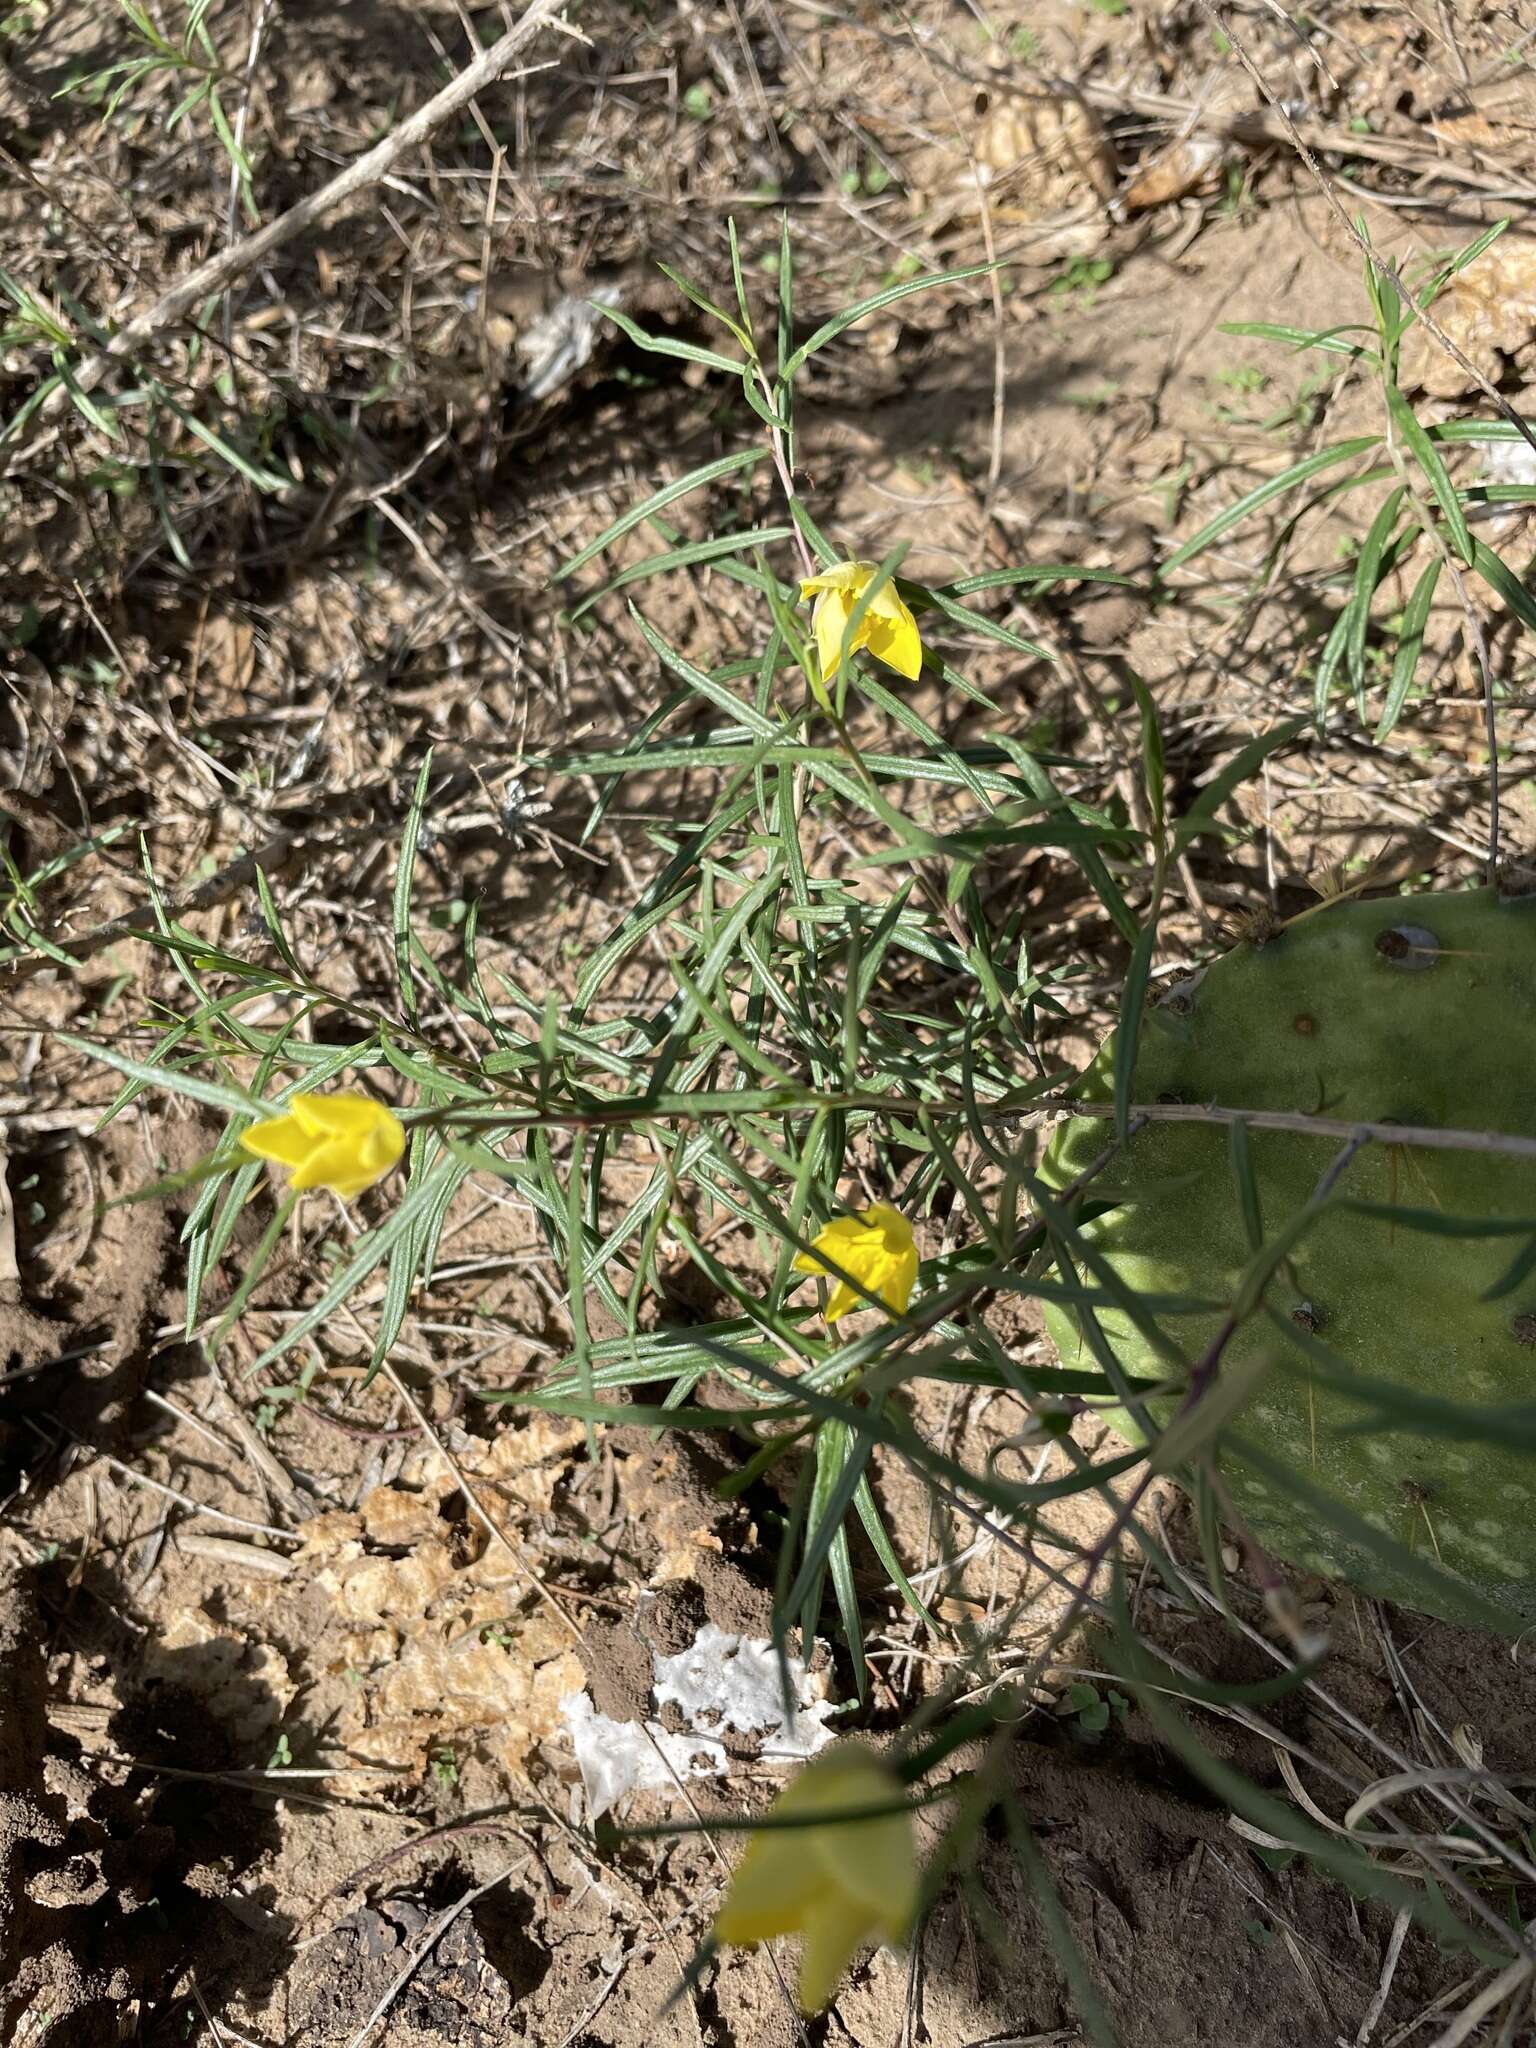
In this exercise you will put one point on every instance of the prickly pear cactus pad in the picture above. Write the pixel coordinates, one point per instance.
(1417, 1010)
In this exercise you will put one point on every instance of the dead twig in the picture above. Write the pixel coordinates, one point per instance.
(218, 272)
(1338, 1128)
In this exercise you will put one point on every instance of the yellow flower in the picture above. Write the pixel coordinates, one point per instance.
(840, 1884)
(876, 1247)
(887, 629)
(343, 1142)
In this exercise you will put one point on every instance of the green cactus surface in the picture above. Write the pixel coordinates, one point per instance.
(1418, 1010)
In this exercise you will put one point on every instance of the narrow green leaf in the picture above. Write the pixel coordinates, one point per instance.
(370, 1251)
(1410, 642)
(684, 558)
(404, 877)
(1133, 1001)
(702, 299)
(1241, 1154)
(1329, 339)
(1153, 773)
(703, 683)
(1432, 462)
(880, 1542)
(217, 1095)
(1368, 574)
(1325, 458)
(665, 345)
(743, 303)
(1498, 575)
(263, 479)
(1202, 813)
(696, 479)
(830, 329)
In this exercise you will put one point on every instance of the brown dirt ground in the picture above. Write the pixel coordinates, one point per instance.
(206, 1583)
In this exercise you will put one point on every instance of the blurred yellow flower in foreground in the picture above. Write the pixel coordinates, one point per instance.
(344, 1142)
(837, 1884)
(887, 629)
(876, 1247)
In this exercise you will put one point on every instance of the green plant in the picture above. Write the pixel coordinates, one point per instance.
(752, 1082)
(1358, 1312)
(1082, 278)
(1423, 513)
(1243, 378)
(826, 995)
(192, 61)
(1091, 1709)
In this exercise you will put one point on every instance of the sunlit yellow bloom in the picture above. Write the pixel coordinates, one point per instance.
(876, 1248)
(343, 1142)
(839, 1885)
(887, 629)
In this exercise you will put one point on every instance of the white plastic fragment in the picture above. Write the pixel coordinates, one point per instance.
(721, 1678)
(620, 1757)
(720, 1681)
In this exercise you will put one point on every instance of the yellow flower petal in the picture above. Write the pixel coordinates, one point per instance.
(887, 629)
(890, 1222)
(279, 1138)
(829, 622)
(875, 1248)
(343, 1115)
(381, 1145)
(837, 1238)
(772, 1892)
(839, 1883)
(302, 1110)
(344, 1142)
(327, 1165)
(850, 576)
(843, 1301)
(872, 1861)
(900, 1280)
(833, 1937)
(896, 641)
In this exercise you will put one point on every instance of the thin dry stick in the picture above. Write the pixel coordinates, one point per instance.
(1471, 2017)
(1046, 1107)
(418, 1956)
(219, 271)
(1338, 1128)
(197, 1507)
(477, 1507)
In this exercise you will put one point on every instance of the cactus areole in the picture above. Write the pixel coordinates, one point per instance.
(1417, 1011)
